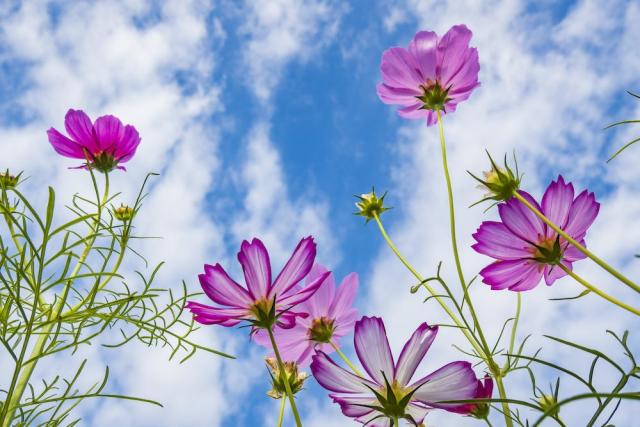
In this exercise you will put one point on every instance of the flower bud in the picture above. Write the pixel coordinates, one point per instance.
(8, 181)
(501, 182)
(296, 379)
(547, 402)
(370, 205)
(321, 330)
(123, 213)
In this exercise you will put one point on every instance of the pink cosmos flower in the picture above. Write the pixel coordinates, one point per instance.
(433, 73)
(330, 317)
(105, 144)
(525, 248)
(388, 392)
(262, 302)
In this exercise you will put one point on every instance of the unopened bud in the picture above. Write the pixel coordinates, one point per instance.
(547, 402)
(7, 180)
(123, 213)
(296, 379)
(370, 205)
(501, 183)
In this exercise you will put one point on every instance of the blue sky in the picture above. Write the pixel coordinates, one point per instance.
(263, 119)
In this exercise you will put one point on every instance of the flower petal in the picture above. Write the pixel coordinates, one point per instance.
(399, 69)
(395, 95)
(423, 48)
(109, 132)
(466, 79)
(584, 211)
(222, 289)
(451, 53)
(497, 241)
(414, 111)
(455, 381)
(516, 275)
(355, 406)
(80, 129)
(297, 295)
(256, 266)
(554, 272)
(318, 305)
(296, 268)
(64, 146)
(373, 350)
(129, 144)
(336, 379)
(417, 412)
(208, 315)
(556, 203)
(520, 220)
(413, 352)
(342, 303)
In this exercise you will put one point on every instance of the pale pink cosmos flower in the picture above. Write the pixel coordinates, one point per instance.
(331, 315)
(387, 390)
(104, 144)
(433, 73)
(262, 302)
(525, 248)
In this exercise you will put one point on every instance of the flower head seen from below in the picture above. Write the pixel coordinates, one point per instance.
(370, 205)
(432, 74)
(330, 317)
(263, 302)
(104, 144)
(291, 373)
(388, 392)
(525, 248)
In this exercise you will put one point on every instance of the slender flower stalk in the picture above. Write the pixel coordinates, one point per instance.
(577, 244)
(283, 401)
(599, 292)
(346, 360)
(493, 366)
(287, 386)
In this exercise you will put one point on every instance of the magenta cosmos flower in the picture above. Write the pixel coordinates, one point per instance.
(433, 73)
(525, 248)
(105, 144)
(330, 317)
(388, 392)
(263, 302)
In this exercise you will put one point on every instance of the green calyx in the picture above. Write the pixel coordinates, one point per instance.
(393, 400)
(321, 330)
(370, 205)
(434, 97)
(103, 161)
(9, 181)
(549, 252)
(548, 403)
(264, 312)
(502, 183)
(123, 213)
(480, 411)
(291, 374)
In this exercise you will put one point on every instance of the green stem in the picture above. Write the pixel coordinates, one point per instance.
(346, 359)
(27, 370)
(493, 367)
(287, 386)
(577, 244)
(512, 339)
(417, 275)
(396, 422)
(283, 400)
(598, 291)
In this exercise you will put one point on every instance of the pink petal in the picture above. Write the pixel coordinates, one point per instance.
(334, 378)
(256, 266)
(556, 203)
(584, 211)
(423, 48)
(466, 79)
(208, 315)
(413, 352)
(399, 69)
(373, 348)
(296, 268)
(418, 412)
(520, 220)
(297, 295)
(109, 132)
(64, 146)
(355, 406)
(127, 147)
(394, 95)
(571, 253)
(80, 129)
(452, 52)
(554, 272)
(514, 274)
(318, 305)
(414, 111)
(223, 290)
(497, 241)
(345, 296)
(455, 381)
